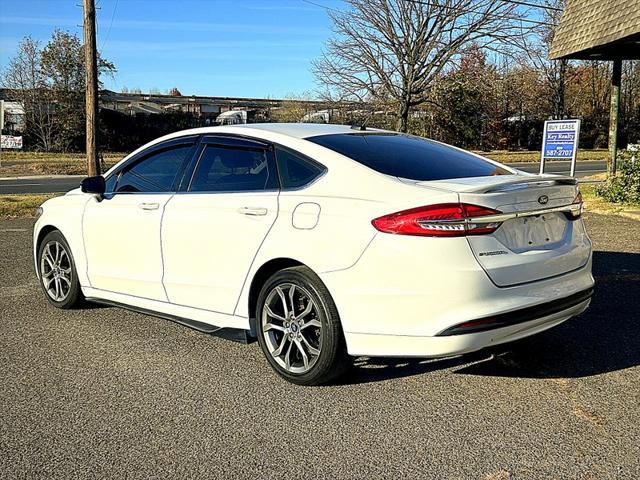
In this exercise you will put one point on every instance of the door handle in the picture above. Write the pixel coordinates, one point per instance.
(253, 211)
(149, 206)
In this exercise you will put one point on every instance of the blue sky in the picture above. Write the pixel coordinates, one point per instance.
(249, 48)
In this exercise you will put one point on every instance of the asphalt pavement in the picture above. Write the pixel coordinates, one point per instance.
(106, 393)
(64, 183)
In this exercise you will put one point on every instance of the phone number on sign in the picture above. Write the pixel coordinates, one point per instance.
(558, 153)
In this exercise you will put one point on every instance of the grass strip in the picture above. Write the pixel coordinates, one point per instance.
(22, 205)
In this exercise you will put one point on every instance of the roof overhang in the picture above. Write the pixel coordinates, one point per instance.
(623, 49)
(598, 30)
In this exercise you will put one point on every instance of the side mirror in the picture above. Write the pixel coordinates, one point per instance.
(94, 185)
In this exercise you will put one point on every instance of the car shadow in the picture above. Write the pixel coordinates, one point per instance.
(605, 338)
(88, 305)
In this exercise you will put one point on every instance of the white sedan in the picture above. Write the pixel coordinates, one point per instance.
(325, 242)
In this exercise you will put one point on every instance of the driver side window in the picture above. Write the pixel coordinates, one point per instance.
(159, 172)
(110, 183)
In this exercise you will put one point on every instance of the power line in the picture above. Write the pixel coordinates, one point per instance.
(458, 9)
(322, 6)
(534, 5)
(113, 15)
(499, 16)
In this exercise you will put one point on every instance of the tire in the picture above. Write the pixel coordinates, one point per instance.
(57, 272)
(312, 324)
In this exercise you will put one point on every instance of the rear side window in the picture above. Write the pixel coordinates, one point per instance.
(228, 169)
(156, 173)
(408, 157)
(295, 170)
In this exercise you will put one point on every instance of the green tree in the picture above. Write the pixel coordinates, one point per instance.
(63, 67)
(50, 84)
(465, 95)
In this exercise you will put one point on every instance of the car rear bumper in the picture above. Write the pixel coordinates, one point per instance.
(404, 293)
(518, 316)
(360, 344)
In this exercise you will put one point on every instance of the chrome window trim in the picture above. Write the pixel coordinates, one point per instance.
(111, 195)
(226, 192)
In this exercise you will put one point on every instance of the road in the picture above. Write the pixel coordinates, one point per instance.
(55, 184)
(583, 169)
(66, 183)
(106, 393)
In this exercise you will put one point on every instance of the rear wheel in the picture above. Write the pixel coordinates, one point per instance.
(299, 328)
(57, 271)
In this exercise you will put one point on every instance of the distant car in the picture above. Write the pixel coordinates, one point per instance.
(325, 242)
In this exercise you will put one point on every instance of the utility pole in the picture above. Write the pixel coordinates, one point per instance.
(91, 95)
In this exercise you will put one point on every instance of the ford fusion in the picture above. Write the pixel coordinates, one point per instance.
(324, 242)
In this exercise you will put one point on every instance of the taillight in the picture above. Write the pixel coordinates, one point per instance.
(576, 212)
(442, 220)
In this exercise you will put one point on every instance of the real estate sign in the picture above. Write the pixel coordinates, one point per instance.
(560, 142)
(10, 141)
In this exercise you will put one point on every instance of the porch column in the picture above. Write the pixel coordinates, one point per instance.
(613, 116)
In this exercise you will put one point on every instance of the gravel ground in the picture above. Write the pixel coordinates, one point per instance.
(105, 393)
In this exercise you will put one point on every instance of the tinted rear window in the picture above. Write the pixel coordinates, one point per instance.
(296, 171)
(409, 157)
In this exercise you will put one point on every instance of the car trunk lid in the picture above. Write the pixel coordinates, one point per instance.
(539, 236)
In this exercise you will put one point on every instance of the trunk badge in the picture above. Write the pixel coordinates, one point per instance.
(543, 199)
(491, 254)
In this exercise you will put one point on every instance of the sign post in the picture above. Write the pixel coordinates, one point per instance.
(560, 141)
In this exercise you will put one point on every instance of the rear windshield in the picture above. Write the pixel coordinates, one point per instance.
(409, 157)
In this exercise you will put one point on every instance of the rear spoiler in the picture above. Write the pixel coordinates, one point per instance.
(533, 181)
(497, 183)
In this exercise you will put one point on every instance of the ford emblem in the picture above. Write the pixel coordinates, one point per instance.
(543, 199)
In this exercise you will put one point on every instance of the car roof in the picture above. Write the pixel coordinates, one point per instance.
(296, 130)
(258, 130)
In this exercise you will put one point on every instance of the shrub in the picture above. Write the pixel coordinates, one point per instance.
(624, 186)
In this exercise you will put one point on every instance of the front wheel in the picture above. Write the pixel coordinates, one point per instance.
(57, 271)
(299, 328)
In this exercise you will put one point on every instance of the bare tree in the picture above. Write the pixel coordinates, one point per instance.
(535, 52)
(28, 85)
(395, 49)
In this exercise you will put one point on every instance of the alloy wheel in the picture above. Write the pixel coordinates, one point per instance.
(56, 271)
(292, 328)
